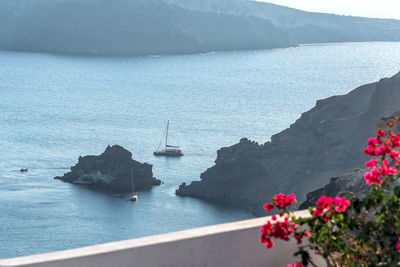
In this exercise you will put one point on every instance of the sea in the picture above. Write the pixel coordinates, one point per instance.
(55, 108)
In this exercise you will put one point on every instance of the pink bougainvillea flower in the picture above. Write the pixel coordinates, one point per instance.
(384, 149)
(268, 207)
(371, 148)
(282, 201)
(266, 229)
(380, 133)
(376, 147)
(395, 140)
(394, 154)
(279, 230)
(325, 202)
(267, 242)
(373, 142)
(372, 163)
(341, 204)
(265, 232)
(373, 177)
(307, 233)
(385, 168)
(398, 246)
(318, 211)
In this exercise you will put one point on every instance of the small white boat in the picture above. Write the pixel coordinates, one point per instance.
(133, 197)
(168, 151)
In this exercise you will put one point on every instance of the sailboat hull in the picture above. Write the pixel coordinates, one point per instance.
(168, 153)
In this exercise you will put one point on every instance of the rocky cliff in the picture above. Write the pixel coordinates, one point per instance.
(324, 142)
(351, 184)
(346, 185)
(111, 171)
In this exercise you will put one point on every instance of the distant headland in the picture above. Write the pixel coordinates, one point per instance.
(150, 27)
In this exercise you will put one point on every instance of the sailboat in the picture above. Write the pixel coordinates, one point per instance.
(133, 196)
(168, 151)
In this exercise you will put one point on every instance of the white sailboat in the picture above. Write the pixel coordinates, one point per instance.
(133, 196)
(168, 151)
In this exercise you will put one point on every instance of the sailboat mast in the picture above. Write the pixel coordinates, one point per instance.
(132, 179)
(166, 136)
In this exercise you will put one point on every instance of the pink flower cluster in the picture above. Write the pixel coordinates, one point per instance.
(341, 204)
(325, 204)
(278, 230)
(281, 201)
(283, 230)
(381, 147)
(384, 145)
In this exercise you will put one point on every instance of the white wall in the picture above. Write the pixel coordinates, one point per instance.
(231, 244)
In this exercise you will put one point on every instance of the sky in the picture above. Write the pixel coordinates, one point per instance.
(364, 8)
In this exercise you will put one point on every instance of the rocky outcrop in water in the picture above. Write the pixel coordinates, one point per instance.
(324, 142)
(111, 171)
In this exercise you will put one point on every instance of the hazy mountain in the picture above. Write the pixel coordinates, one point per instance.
(303, 26)
(128, 27)
(143, 27)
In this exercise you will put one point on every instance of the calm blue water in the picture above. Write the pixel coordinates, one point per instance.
(55, 108)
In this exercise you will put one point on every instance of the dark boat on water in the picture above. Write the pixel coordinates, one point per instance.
(168, 151)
